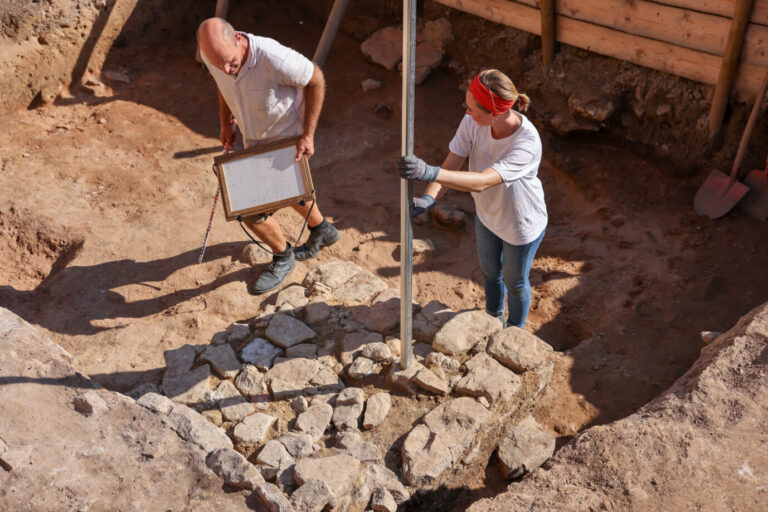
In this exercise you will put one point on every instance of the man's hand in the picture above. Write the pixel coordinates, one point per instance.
(413, 168)
(421, 204)
(305, 146)
(227, 135)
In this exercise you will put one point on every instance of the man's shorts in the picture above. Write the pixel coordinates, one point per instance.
(258, 218)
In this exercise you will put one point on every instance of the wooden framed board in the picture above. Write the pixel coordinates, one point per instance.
(263, 178)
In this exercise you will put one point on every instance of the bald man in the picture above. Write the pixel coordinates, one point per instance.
(273, 92)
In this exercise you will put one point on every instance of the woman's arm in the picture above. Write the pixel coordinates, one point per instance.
(453, 163)
(468, 181)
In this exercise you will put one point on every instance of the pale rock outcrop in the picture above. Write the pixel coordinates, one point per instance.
(339, 472)
(518, 349)
(463, 331)
(526, 447)
(487, 377)
(233, 468)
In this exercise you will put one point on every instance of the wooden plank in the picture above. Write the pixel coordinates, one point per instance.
(675, 60)
(547, 31)
(721, 8)
(730, 65)
(694, 30)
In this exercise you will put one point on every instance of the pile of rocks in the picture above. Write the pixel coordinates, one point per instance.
(308, 405)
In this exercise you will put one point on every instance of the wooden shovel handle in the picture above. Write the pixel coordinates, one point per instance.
(748, 131)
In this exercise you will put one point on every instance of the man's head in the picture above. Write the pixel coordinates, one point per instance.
(222, 45)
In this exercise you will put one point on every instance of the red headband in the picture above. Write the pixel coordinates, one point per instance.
(492, 102)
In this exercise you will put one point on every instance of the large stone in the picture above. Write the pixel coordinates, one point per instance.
(314, 420)
(518, 349)
(382, 501)
(284, 330)
(526, 447)
(292, 297)
(179, 361)
(381, 316)
(487, 377)
(429, 320)
(384, 47)
(190, 387)
(250, 382)
(349, 407)
(317, 312)
(438, 360)
(375, 475)
(353, 344)
(232, 404)
(274, 455)
(298, 445)
(376, 409)
(156, 402)
(344, 281)
(223, 360)
(291, 377)
(305, 350)
(463, 331)
(430, 382)
(378, 352)
(233, 468)
(399, 378)
(273, 498)
(424, 457)
(192, 426)
(339, 472)
(362, 368)
(352, 444)
(313, 496)
(261, 353)
(253, 430)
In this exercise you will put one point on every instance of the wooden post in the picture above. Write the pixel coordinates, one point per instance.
(730, 64)
(547, 31)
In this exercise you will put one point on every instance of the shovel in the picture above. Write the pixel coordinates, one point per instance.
(719, 193)
(755, 203)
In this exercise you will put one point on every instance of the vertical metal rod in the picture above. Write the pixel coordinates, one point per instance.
(329, 32)
(406, 186)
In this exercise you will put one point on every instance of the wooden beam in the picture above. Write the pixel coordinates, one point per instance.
(547, 31)
(721, 8)
(730, 66)
(675, 60)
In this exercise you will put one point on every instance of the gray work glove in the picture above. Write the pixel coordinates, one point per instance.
(421, 204)
(414, 168)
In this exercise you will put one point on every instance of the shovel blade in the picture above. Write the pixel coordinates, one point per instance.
(755, 203)
(714, 198)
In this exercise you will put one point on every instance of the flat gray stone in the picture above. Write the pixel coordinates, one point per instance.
(291, 377)
(274, 455)
(424, 457)
(314, 421)
(339, 472)
(156, 402)
(190, 387)
(399, 378)
(458, 420)
(293, 296)
(313, 496)
(345, 281)
(317, 312)
(250, 382)
(381, 316)
(192, 426)
(463, 331)
(253, 430)
(518, 349)
(223, 360)
(285, 331)
(525, 448)
(179, 361)
(298, 445)
(306, 350)
(273, 498)
(261, 353)
(362, 368)
(349, 407)
(233, 468)
(487, 377)
(430, 382)
(353, 343)
(352, 444)
(376, 409)
(234, 407)
(375, 475)
(429, 320)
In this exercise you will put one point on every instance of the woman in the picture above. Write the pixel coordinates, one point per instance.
(504, 152)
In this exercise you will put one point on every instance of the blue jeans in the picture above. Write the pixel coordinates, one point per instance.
(505, 272)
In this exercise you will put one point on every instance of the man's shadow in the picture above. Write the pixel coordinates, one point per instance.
(70, 299)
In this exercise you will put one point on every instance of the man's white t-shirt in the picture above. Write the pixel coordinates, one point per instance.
(267, 95)
(514, 210)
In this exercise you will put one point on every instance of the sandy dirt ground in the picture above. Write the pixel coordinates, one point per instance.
(107, 193)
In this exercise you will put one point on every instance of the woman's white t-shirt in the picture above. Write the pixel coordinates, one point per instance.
(513, 210)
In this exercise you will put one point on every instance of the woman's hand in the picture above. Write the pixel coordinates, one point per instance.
(421, 204)
(413, 168)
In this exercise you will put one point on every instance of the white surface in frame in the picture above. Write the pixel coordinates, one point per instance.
(263, 178)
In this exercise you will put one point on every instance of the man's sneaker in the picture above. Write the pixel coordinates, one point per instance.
(282, 265)
(322, 235)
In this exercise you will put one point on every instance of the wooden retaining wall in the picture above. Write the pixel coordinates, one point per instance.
(686, 38)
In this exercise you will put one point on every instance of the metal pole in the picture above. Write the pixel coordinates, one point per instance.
(329, 32)
(406, 186)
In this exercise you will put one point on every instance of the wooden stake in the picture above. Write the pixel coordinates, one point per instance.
(547, 31)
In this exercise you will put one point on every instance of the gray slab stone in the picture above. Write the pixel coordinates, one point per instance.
(353, 343)
(349, 407)
(261, 353)
(463, 331)
(190, 387)
(233, 468)
(314, 421)
(376, 410)
(223, 360)
(156, 402)
(285, 331)
(375, 475)
(192, 426)
(526, 447)
(430, 382)
(179, 360)
(352, 444)
(274, 455)
(234, 407)
(487, 377)
(339, 472)
(313, 496)
(298, 445)
(250, 382)
(274, 499)
(253, 430)
(306, 350)
(518, 349)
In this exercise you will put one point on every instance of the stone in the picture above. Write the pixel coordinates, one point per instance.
(253, 430)
(428, 58)
(376, 410)
(274, 455)
(299, 404)
(238, 333)
(449, 216)
(232, 404)
(188, 388)
(361, 368)
(143, 389)
(192, 426)
(394, 345)
(591, 105)
(421, 246)
(384, 47)
(349, 407)
(424, 457)
(261, 353)
(382, 501)
(370, 84)
(317, 312)
(313, 496)
(378, 352)
(180, 360)
(353, 344)
(518, 349)
(305, 350)
(223, 360)
(439, 360)
(314, 421)
(339, 472)
(117, 76)
(291, 377)
(250, 382)
(214, 416)
(487, 377)
(526, 447)
(298, 445)
(233, 468)
(375, 475)
(430, 382)
(293, 296)
(90, 403)
(382, 315)
(460, 334)
(344, 281)
(709, 336)
(285, 331)
(156, 402)
(421, 351)
(437, 32)
(352, 444)
(325, 381)
(273, 498)
(399, 378)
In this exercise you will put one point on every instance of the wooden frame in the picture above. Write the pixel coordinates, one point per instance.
(293, 179)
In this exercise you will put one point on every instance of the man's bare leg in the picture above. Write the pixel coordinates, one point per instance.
(315, 217)
(283, 260)
(270, 233)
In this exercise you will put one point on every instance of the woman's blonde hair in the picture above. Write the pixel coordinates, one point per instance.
(500, 84)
